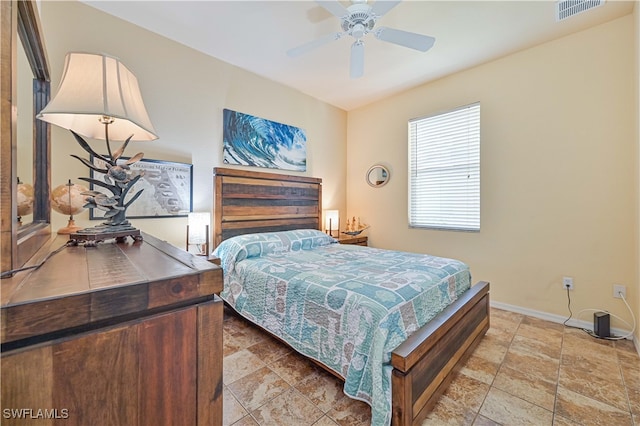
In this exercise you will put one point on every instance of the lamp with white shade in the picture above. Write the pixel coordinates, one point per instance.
(99, 97)
(332, 221)
(198, 231)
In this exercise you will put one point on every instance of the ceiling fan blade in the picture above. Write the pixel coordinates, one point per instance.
(380, 7)
(304, 48)
(334, 7)
(404, 38)
(357, 59)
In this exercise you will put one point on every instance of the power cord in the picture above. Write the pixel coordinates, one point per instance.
(26, 268)
(568, 307)
(591, 333)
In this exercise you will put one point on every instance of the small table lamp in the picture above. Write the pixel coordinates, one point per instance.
(99, 97)
(332, 221)
(198, 232)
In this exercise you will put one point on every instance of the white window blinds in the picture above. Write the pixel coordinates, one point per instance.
(444, 170)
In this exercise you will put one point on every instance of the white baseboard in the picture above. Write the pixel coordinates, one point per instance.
(560, 320)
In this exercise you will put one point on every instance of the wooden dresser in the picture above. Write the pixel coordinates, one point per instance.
(117, 334)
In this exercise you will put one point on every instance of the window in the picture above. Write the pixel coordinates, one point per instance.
(444, 170)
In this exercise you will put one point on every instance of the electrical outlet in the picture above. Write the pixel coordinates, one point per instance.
(617, 289)
(567, 282)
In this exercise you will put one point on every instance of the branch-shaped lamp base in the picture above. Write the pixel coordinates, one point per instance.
(96, 234)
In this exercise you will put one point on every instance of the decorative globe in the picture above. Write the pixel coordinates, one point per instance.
(25, 199)
(65, 204)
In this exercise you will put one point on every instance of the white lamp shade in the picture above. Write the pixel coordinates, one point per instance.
(331, 220)
(198, 223)
(93, 86)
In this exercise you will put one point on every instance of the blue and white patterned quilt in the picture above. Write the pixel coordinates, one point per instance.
(345, 306)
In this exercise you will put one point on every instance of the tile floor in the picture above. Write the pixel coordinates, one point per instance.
(526, 371)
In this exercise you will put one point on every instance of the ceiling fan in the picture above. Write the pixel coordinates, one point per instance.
(358, 20)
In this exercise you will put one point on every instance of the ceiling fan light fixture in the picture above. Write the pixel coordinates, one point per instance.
(358, 31)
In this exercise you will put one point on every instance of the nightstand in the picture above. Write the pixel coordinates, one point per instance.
(357, 240)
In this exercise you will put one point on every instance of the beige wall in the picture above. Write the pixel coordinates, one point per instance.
(185, 92)
(558, 170)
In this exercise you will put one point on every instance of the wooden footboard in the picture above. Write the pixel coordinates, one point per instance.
(424, 364)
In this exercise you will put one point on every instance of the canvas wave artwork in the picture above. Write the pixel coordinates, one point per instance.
(253, 141)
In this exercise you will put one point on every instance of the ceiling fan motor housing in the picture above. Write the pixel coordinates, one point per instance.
(359, 21)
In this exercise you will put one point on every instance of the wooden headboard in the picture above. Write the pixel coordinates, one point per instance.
(248, 201)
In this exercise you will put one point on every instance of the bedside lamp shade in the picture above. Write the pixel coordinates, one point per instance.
(198, 231)
(198, 223)
(332, 221)
(93, 86)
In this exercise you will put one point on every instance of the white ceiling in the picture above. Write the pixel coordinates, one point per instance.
(255, 35)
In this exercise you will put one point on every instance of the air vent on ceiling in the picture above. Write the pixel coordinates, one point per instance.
(568, 8)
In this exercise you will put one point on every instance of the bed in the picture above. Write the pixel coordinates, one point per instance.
(259, 215)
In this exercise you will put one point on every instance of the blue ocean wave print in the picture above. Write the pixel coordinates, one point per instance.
(255, 141)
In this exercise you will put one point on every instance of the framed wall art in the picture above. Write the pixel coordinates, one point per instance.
(253, 141)
(167, 189)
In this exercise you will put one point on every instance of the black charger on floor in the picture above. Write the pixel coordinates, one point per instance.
(601, 324)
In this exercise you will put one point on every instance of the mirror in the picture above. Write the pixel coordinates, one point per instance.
(21, 26)
(377, 176)
(24, 134)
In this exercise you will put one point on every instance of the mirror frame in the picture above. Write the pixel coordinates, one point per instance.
(20, 23)
(377, 166)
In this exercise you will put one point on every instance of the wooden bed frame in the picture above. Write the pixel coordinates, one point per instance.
(424, 364)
